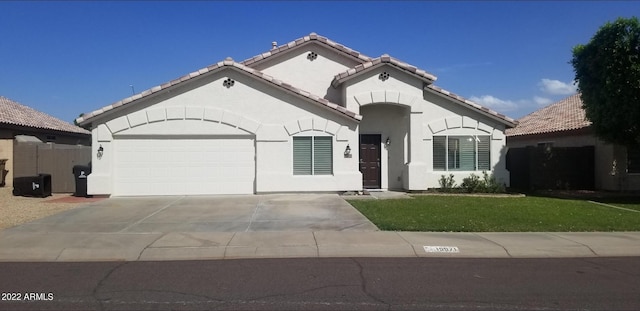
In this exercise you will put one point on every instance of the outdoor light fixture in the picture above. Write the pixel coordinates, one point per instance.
(388, 142)
(347, 151)
(100, 152)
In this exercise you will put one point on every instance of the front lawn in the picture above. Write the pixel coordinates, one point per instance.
(505, 214)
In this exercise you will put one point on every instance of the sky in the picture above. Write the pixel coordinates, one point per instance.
(68, 58)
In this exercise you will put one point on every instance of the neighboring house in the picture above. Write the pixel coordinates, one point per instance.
(17, 120)
(310, 115)
(564, 124)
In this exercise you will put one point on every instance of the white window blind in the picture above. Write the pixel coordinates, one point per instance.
(302, 156)
(312, 155)
(322, 155)
(461, 153)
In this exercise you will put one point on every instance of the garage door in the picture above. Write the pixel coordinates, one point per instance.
(176, 166)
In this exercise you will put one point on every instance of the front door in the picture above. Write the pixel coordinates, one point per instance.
(370, 160)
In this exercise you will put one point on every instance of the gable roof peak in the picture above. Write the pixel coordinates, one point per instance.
(351, 53)
(385, 59)
(227, 63)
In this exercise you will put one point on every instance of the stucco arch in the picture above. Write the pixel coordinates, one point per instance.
(443, 125)
(318, 124)
(386, 96)
(137, 121)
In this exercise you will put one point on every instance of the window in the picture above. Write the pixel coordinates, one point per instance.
(461, 153)
(633, 159)
(312, 156)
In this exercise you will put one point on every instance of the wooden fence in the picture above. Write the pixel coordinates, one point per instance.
(30, 159)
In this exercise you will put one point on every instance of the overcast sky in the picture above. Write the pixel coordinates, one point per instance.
(67, 58)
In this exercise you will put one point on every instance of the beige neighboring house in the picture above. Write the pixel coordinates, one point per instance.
(309, 115)
(24, 122)
(564, 124)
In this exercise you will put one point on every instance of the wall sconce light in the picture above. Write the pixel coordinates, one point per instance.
(100, 152)
(347, 152)
(387, 142)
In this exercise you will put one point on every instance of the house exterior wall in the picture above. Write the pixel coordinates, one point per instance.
(250, 107)
(610, 160)
(429, 115)
(314, 75)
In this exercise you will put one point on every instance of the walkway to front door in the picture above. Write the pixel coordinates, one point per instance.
(370, 160)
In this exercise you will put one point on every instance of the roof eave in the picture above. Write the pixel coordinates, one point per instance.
(469, 104)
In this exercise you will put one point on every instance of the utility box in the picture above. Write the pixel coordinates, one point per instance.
(32, 186)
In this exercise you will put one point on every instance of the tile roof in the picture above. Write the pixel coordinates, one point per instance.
(14, 113)
(509, 121)
(380, 61)
(421, 74)
(564, 115)
(312, 37)
(227, 63)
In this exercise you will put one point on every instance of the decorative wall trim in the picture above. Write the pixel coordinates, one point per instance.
(172, 114)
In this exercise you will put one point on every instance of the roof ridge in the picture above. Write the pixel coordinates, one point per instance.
(227, 62)
(301, 41)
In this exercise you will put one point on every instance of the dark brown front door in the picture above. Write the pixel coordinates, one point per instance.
(370, 160)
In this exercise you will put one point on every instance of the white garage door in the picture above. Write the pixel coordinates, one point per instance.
(175, 166)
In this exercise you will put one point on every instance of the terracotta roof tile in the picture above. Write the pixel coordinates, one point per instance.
(376, 62)
(564, 115)
(84, 119)
(304, 40)
(14, 113)
(464, 101)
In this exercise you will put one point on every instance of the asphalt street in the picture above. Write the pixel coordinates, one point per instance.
(325, 284)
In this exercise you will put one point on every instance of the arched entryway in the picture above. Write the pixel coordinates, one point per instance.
(384, 143)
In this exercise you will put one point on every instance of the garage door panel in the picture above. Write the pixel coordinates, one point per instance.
(184, 166)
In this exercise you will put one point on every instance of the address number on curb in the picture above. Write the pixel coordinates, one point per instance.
(441, 249)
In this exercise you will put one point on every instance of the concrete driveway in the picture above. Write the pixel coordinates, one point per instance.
(275, 212)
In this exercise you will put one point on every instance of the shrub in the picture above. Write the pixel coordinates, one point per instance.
(488, 184)
(472, 184)
(491, 185)
(447, 183)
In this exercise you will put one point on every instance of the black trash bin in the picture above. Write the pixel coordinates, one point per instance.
(32, 186)
(80, 173)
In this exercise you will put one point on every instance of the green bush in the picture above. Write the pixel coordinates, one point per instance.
(447, 184)
(491, 185)
(488, 184)
(472, 184)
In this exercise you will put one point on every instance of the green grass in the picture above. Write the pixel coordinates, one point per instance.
(484, 214)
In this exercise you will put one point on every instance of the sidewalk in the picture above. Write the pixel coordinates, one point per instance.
(60, 246)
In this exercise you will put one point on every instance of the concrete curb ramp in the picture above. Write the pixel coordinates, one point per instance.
(36, 246)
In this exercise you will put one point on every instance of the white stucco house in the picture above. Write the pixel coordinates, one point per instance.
(308, 116)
